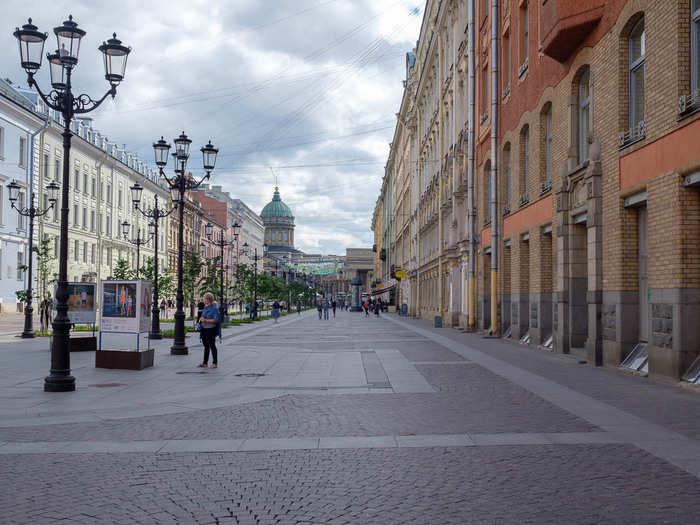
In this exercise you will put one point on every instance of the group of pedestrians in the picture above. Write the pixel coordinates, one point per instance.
(325, 305)
(372, 305)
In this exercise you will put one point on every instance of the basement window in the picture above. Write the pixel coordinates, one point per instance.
(693, 375)
(638, 360)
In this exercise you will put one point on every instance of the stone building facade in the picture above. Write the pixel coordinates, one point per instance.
(552, 150)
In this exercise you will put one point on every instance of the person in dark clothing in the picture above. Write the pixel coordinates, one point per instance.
(210, 327)
(319, 307)
(334, 305)
(299, 307)
(200, 308)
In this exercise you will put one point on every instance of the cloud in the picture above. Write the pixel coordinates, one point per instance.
(309, 88)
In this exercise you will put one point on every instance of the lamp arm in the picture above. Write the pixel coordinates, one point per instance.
(53, 99)
(171, 182)
(193, 186)
(84, 103)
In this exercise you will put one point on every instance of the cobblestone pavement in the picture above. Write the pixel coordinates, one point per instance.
(501, 480)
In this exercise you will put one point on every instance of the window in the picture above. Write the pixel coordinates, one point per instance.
(119, 198)
(506, 163)
(85, 222)
(46, 202)
(109, 256)
(525, 34)
(506, 64)
(20, 205)
(76, 217)
(1, 205)
(92, 220)
(584, 114)
(46, 167)
(93, 187)
(56, 247)
(524, 164)
(695, 45)
(92, 254)
(76, 182)
(2, 142)
(76, 250)
(57, 169)
(20, 266)
(548, 145)
(55, 212)
(22, 150)
(85, 183)
(108, 225)
(636, 75)
(109, 193)
(485, 93)
(85, 251)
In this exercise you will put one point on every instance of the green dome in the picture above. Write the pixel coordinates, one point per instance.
(276, 208)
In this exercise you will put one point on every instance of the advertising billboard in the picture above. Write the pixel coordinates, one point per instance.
(126, 306)
(81, 302)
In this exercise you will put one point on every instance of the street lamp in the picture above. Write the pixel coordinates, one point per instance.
(179, 184)
(221, 242)
(31, 212)
(61, 99)
(155, 214)
(138, 242)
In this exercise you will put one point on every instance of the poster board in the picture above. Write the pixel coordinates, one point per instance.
(126, 306)
(81, 302)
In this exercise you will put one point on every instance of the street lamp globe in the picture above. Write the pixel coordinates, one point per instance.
(31, 46)
(57, 71)
(115, 56)
(151, 229)
(209, 153)
(13, 192)
(136, 191)
(52, 189)
(175, 194)
(161, 149)
(182, 146)
(236, 228)
(68, 38)
(125, 229)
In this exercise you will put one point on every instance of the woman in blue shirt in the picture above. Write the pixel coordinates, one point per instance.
(210, 324)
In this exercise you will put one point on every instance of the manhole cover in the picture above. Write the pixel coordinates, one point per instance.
(250, 375)
(193, 372)
(107, 385)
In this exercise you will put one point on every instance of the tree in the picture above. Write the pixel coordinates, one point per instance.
(122, 271)
(43, 260)
(191, 268)
(166, 279)
(243, 287)
(211, 282)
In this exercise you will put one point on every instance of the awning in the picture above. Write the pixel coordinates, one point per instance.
(382, 290)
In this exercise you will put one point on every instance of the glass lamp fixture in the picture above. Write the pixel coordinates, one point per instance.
(209, 156)
(161, 149)
(182, 146)
(31, 46)
(115, 56)
(68, 38)
(136, 191)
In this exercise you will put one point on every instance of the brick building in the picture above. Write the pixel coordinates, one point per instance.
(552, 151)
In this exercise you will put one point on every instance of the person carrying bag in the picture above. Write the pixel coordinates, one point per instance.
(209, 328)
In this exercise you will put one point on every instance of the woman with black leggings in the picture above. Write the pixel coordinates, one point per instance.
(209, 329)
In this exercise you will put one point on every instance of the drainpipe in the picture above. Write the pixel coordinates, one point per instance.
(441, 155)
(470, 172)
(495, 235)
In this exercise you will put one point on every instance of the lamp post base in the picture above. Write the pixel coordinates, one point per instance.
(59, 384)
(178, 350)
(27, 335)
(155, 335)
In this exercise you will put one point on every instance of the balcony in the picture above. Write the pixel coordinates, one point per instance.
(566, 23)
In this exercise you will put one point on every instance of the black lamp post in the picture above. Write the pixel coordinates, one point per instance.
(155, 214)
(138, 242)
(61, 99)
(221, 242)
(179, 184)
(31, 212)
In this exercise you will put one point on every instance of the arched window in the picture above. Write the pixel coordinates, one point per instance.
(584, 114)
(636, 75)
(546, 158)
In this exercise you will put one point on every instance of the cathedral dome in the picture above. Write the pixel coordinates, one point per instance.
(276, 208)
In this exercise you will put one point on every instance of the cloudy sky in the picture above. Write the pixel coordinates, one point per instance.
(306, 90)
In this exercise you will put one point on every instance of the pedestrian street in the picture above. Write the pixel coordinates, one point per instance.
(354, 419)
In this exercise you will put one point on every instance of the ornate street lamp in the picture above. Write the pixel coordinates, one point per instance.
(155, 214)
(221, 242)
(31, 212)
(61, 99)
(138, 242)
(179, 184)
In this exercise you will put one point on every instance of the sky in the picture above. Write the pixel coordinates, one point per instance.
(304, 92)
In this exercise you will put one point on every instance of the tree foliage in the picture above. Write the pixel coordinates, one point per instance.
(166, 278)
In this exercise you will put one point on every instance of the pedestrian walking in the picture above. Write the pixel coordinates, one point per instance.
(319, 307)
(326, 306)
(276, 310)
(163, 309)
(333, 305)
(365, 305)
(377, 307)
(209, 328)
(299, 307)
(45, 312)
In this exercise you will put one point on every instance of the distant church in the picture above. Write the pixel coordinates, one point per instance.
(279, 227)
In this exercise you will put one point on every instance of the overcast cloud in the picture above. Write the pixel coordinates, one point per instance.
(307, 90)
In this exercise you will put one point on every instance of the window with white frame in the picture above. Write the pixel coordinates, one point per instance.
(2, 142)
(92, 220)
(93, 187)
(76, 216)
(76, 180)
(20, 205)
(85, 183)
(20, 266)
(76, 250)
(2, 206)
(22, 151)
(85, 251)
(92, 253)
(57, 169)
(85, 221)
(46, 167)
(636, 75)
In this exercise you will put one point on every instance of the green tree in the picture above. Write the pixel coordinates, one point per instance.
(244, 282)
(43, 271)
(166, 279)
(191, 268)
(211, 282)
(122, 270)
